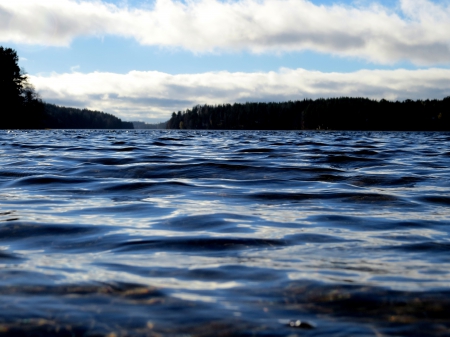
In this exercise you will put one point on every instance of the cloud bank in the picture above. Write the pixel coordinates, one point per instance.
(416, 30)
(153, 95)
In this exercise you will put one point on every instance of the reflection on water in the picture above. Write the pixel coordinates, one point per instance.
(230, 233)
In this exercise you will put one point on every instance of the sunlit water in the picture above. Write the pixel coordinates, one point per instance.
(235, 233)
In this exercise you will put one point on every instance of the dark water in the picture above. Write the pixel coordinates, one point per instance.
(164, 233)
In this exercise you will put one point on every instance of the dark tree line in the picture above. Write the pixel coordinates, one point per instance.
(57, 117)
(21, 107)
(329, 114)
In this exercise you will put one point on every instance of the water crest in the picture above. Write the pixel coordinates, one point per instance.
(230, 233)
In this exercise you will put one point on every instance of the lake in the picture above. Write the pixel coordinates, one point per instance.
(224, 233)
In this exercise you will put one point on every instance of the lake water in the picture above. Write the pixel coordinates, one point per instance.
(224, 233)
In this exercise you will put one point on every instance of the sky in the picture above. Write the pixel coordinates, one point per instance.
(141, 60)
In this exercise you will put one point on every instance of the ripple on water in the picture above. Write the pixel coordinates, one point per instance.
(232, 233)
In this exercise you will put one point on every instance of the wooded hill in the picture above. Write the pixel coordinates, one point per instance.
(326, 114)
(57, 117)
(21, 107)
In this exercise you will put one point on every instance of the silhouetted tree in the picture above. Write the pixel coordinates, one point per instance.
(11, 86)
(20, 106)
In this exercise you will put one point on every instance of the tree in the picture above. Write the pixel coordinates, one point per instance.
(11, 76)
(20, 106)
(11, 87)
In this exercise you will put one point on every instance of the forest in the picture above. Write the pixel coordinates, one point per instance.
(343, 113)
(22, 108)
(57, 117)
(322, 114)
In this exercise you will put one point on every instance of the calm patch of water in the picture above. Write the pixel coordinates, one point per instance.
(225, 233)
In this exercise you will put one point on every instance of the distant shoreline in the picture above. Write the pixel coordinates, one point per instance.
(333, 114)
(339, 114)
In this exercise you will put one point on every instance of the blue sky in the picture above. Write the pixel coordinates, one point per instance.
(141, 60)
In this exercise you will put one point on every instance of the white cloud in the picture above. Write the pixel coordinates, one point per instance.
(153, 95)
(418, 30)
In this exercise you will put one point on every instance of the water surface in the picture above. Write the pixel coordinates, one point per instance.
(224, 233)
